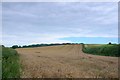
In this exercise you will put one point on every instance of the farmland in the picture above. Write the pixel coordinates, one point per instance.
(65, 61)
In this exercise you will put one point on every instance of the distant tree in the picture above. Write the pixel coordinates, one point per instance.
(3, 46)
(24, 46)
(19, 46)
(15, 46)
(109, 43)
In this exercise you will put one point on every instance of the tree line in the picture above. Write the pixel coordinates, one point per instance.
(40, 45)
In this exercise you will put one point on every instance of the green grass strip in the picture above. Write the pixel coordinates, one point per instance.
(10, 63)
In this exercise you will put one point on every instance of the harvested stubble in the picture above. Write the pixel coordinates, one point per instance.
(65, 61)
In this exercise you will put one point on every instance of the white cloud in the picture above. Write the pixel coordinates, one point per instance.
(49, 22)
(60, 0)
(0, 23)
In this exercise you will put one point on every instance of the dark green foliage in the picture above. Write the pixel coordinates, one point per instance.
(10, 63)
(2, 45)
(40, 45)
(15, 46)
(105, 50)
(109, 43)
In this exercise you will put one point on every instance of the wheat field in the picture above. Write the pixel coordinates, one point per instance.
(65, 61)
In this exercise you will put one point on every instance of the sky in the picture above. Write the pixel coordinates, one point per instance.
(59, 22)
(60, 0)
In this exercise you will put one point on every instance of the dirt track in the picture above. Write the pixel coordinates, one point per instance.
(65, 61)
